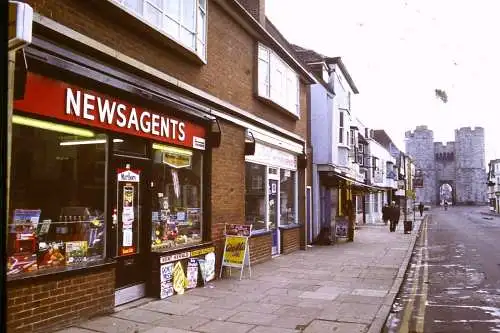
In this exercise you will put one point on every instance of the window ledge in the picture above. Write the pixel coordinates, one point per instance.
(343, 145)
(53, 273)
(261, 232)
(290, 226)
(277, 107)
(138, 25)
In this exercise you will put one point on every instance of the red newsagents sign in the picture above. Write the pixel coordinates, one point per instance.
(57, 99)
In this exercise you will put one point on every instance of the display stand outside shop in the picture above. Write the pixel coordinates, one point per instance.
(236, 248)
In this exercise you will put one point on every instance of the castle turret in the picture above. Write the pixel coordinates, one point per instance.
(420, 146)
(470, 165)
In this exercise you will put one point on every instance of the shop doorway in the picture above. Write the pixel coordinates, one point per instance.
(129, 242)
(273, 190)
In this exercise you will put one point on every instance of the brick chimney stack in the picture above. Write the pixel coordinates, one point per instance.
(257, 8)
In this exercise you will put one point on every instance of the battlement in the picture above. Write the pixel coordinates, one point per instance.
(444, 146)
(421, 131)
(470, 130)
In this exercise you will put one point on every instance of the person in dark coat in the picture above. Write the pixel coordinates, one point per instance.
(385, 213)
(421, 209)
(394, 214)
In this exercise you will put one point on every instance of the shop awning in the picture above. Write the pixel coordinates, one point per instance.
(357, 184)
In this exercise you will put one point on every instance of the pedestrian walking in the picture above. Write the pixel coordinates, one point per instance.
(421, 209)
(385, 213)
(394, 214)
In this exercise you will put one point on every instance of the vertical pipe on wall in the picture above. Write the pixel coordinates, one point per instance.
(10, 105)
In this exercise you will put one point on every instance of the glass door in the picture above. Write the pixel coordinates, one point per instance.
(273, 208)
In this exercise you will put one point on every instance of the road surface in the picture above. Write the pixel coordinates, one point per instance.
(453, 283)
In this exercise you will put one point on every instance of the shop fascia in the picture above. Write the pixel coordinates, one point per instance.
(59, 100)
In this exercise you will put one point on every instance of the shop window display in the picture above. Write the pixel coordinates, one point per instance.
(56, 199)
(177, 197)
(287, 197)
(255, 195)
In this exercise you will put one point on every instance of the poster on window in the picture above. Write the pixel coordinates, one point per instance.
(192, 273)
(166, 280)
(76, 252)
(128, 206)
(175, 180)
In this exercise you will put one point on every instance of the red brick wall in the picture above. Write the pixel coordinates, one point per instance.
(260, 248)
(228, 183)
(231, 54)
(290, 240)
(50, 305)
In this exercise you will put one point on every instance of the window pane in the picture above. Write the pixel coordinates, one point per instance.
(263, 54)
(136, 5)
(188, 14)
(203, 4)
(57, 193)
(255, 195)
(341, 135)
(341, 122)
(171, 27)
(188, 38)
(201, 26)
(153, 15)
(177, 198)
(287, 197)
(172, 9)
(263, 78)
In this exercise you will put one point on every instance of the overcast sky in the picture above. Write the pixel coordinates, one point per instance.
(399, 51)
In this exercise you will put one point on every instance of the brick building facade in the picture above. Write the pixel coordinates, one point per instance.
(106, 50)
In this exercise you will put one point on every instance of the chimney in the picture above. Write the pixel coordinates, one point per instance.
(257, 8)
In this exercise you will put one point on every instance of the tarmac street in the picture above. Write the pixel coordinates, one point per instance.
(453, 283)
(344, 288)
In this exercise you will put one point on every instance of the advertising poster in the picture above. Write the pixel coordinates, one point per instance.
(166, 280)
(128, 202)
(76, 252)
(201, 263)
(192, 273)
(234, 252)
(209, 266)
(179, 278)
(51, 254)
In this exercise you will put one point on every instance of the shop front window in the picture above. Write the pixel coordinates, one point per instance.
(288, 207)
(56, 199)
(177, 197)
(255, 196)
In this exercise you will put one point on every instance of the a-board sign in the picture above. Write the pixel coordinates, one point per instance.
(236, 248)
(341, 227)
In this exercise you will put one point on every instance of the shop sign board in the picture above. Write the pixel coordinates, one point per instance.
(236, 248)
(166, 280)
(60, 100)
(186, 255)
(274, 157)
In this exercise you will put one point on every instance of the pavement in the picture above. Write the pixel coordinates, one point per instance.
(453, 282)
(344, 288)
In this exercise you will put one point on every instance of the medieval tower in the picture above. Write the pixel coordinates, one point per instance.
(459, 164)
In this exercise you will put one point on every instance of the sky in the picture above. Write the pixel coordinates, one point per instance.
(399, 51)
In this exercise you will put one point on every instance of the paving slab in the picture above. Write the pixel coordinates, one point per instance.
(169, 307)
(269, 329)
(320, 326)
(224, 326)
(258, 307)
(186, 322)
(350, 312)
(139, 315)
(213, 313)
(167, 330)
(114, 325)
(255, 318)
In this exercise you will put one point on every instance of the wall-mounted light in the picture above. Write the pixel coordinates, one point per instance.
(47, 125)
(215, 135)
(249, 143)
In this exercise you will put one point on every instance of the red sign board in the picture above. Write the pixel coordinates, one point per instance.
(60, 100)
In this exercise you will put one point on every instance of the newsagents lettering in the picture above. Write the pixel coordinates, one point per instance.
(90, 107)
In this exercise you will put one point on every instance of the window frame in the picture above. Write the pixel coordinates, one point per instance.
(200, 53)
(341, 126)
(287, 96)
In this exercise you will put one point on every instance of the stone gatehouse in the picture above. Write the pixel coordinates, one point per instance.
(461, 164)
